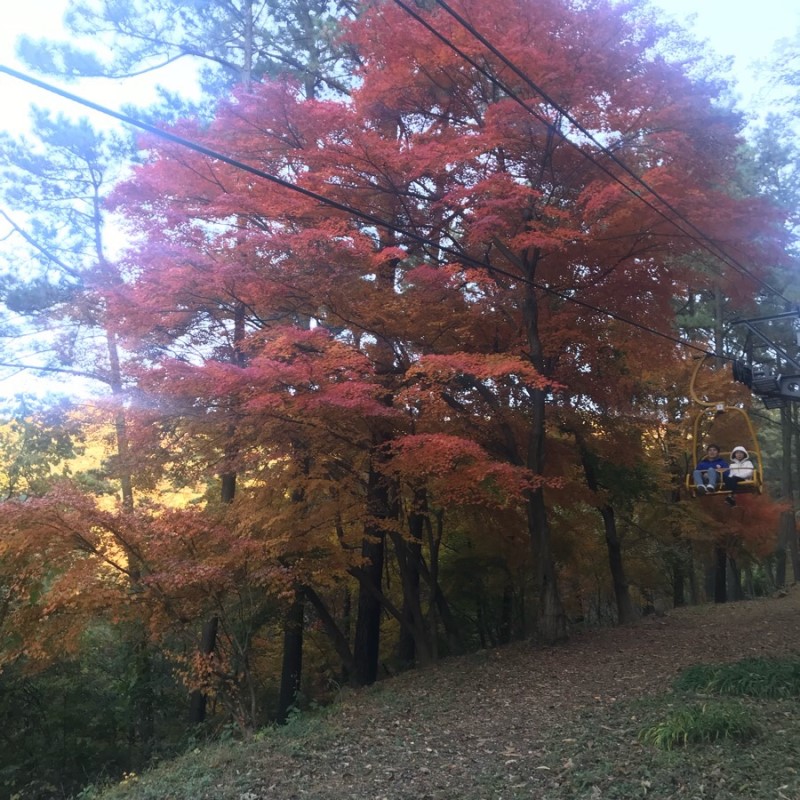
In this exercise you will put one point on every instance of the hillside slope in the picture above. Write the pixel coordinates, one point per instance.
(521, 722)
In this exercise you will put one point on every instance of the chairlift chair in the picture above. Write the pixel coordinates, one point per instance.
(727, 426)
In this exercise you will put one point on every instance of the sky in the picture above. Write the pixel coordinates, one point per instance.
(744, 29)
(747, 31)
(42, 19)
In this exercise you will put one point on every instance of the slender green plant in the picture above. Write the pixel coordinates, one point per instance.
(755, 677)
(698, 724)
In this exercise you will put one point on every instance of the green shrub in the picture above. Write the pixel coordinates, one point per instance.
(706, 723)
(754, 677)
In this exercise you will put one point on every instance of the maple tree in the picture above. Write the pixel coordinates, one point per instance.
(519, 199)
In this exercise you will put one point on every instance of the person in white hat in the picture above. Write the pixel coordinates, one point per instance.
(741, 469)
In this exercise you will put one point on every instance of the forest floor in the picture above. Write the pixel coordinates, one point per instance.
(524, 721)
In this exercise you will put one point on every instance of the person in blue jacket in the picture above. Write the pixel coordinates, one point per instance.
(709, 472)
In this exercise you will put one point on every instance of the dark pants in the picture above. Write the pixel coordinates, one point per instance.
(732, 483)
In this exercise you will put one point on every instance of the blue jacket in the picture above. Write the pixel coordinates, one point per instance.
(717, 463)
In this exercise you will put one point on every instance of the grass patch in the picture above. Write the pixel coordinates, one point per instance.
(709, 722)
(192, 775)
(754, 677)
(615, 754)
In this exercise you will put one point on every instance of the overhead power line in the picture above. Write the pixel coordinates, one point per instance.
(704, 241)
(366, 216)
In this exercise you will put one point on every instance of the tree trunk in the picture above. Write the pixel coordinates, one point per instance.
(413, 643)
(622, 595)
(769, 571)
(142, 731)
(720, 574)
(551, 619)
(794, 469)
(694, 591)
(208, 642)
(678, 584)
(292, 669)
(780, 562)
(338, 637)
(348, 667)
(621, 590)
(504, 633)
(787, 532)
(484, 629)
(143, 722)
(709, 577)
(443, 611)
(788, 535)
(366, 648)
(734, 580)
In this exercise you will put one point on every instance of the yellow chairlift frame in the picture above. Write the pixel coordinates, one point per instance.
(727, 426)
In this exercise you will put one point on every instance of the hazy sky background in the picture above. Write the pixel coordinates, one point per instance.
(746, 30)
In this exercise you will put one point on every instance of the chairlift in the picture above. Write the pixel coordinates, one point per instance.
(727, 426)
